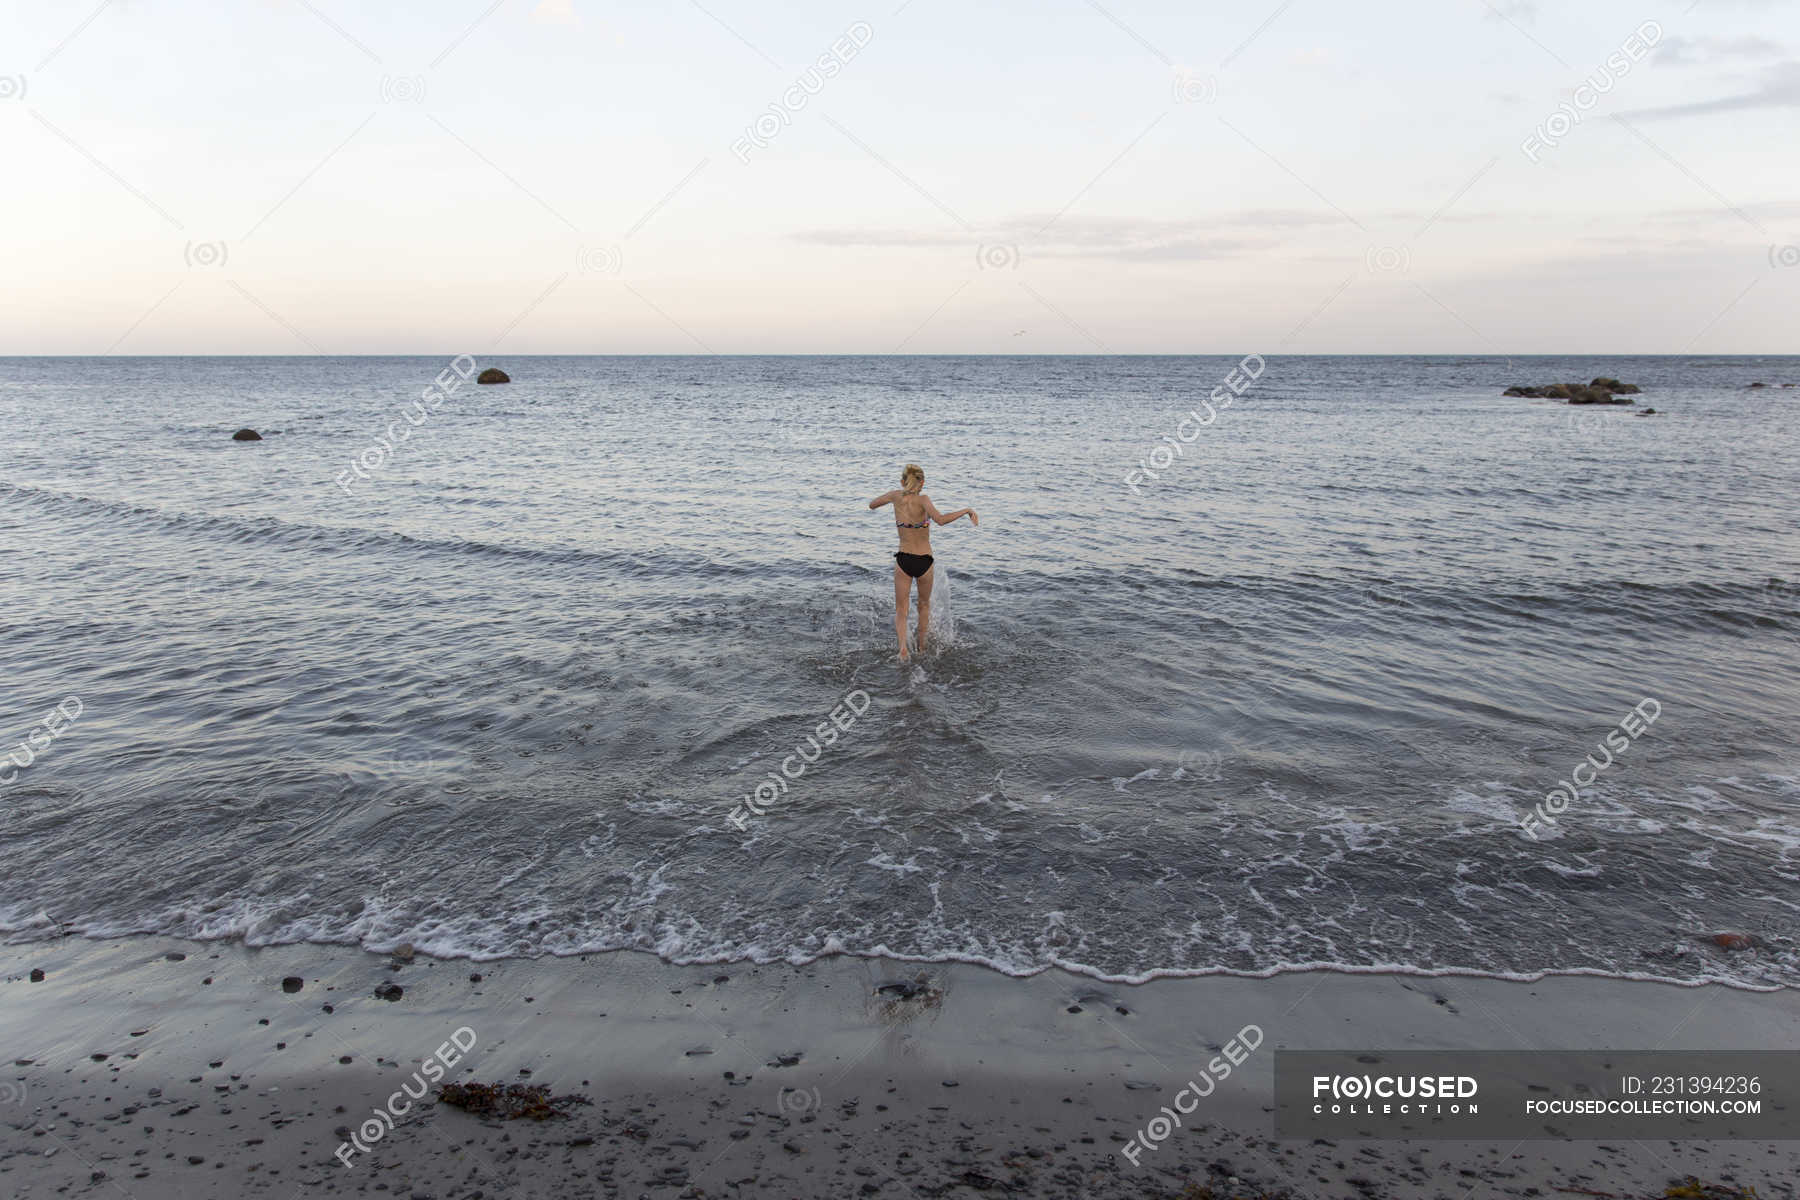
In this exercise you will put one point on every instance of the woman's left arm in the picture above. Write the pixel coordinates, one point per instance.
(931, 511)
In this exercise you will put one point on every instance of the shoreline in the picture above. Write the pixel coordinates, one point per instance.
(882, 955)
(846, 1076)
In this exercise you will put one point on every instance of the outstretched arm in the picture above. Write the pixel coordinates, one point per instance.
(931, 511)
(884, 498)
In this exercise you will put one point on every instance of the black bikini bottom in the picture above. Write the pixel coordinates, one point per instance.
(913, 564)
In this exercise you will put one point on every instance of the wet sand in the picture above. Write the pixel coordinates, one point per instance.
(132, 1072)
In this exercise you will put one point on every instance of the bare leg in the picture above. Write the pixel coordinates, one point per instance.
(925, 582)
(902, 597)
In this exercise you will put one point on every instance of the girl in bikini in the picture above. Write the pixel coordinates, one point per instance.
(913, 513)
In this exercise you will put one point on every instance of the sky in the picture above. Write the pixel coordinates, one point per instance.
(914, 176)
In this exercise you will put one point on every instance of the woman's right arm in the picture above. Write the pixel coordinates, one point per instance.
(884, 498)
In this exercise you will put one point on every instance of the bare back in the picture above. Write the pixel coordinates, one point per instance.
(912, 517)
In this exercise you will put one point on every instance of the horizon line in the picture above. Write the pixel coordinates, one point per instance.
(879, 354)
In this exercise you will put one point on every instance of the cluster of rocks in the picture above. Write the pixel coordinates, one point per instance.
(1602, 390)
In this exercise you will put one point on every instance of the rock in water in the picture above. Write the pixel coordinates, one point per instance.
(389, 992)
(246, 435)
(493, 375)
(1603, 390)
(292, 983)
(1595, 395)
(404, 952)
(1734, 941)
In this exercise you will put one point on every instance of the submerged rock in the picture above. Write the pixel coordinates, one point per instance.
(493, 375)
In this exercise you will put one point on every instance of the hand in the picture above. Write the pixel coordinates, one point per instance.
(973, 519)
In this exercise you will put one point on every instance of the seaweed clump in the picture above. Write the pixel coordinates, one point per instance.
(509, 1102)
(1688, 1189)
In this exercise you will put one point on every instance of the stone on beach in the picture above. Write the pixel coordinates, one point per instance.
(493, 375)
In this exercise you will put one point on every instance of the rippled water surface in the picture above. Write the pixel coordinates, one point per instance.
(1284, 704)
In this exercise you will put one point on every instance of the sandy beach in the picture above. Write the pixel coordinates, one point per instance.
(153, 1067)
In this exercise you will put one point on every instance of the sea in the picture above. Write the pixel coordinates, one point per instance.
(1251, 665)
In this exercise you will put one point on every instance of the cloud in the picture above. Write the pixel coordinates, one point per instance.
(1681, 51)
(1780, 88)
(1123, 239)
(1773, 210)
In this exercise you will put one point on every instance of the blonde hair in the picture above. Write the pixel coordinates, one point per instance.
(909, 472)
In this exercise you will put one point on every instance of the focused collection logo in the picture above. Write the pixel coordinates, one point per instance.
(1395, 1095)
